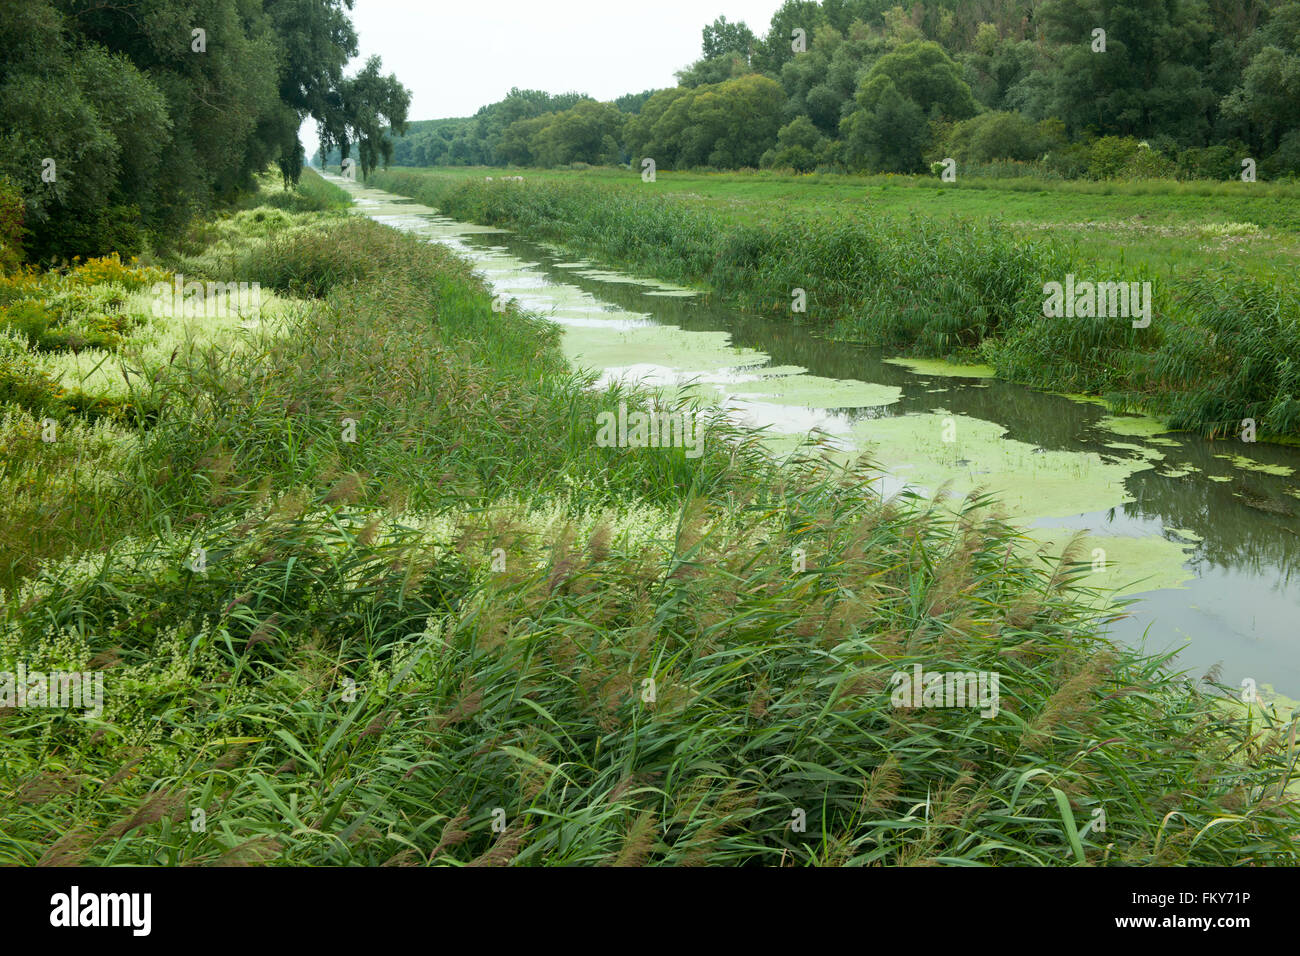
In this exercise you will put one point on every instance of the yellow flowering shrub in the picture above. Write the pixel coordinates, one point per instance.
(110, 268)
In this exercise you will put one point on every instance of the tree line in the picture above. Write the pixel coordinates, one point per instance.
(119, 122)
(1057, 88)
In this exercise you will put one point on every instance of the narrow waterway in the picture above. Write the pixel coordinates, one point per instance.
(1203, 537)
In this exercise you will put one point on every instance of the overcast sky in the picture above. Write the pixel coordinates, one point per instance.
(457, 56)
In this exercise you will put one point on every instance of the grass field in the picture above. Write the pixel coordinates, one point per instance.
(457, 631)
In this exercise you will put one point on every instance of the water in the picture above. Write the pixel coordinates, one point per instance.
(1204, 543)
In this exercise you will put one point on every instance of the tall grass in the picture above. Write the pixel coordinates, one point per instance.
(473, 637)
(870, 275)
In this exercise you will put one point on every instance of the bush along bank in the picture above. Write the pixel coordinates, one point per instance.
(1217, 349)
(369, 589)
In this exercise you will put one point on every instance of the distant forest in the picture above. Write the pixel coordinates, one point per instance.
(1056, 88)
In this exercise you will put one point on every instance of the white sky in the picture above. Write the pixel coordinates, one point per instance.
(457, 56)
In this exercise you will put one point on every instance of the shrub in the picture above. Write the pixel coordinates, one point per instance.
(21, 382)
(28, 319)
(798, 145)
(1110, 155)
(112, 229)
(312, 262)
(997, 135)
(11, 226)
(1221, 162)
(1069, 162)
(1147, 163)
(1286, 160)
(111, 269)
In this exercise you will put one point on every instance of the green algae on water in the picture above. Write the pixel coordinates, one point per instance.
(1134, 426)
(1084, 399)
(1120, 565)
(1148, 453)
(813, 391)
(1031, 482)
(1249, 464)
(922, 366)
(663, 346)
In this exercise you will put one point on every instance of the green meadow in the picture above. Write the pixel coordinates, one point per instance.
(364, 589)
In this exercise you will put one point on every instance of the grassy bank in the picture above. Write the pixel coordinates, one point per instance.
(1219, 347)
(1162, 225)
(472, 636)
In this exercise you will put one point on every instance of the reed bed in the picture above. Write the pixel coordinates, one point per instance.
(473, 637)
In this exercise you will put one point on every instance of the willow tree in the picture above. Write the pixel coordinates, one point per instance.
(362, 111)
